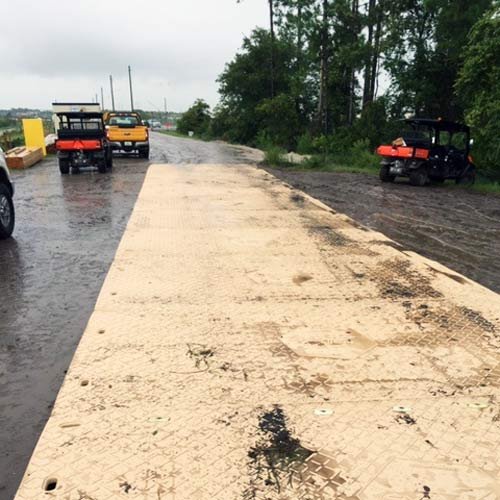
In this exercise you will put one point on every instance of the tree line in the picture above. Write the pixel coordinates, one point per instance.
(341, 73)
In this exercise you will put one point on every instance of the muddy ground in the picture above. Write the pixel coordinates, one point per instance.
(459, 228)
(68, 229)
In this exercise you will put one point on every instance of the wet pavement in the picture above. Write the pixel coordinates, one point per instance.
(67, 232)
(458, 228)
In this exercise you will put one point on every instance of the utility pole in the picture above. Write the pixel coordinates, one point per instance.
(131, 93)
(112, 92)
(96, 99)
(102, 99)
(165, 106)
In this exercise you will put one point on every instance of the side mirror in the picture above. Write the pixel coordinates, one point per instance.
(471, 143)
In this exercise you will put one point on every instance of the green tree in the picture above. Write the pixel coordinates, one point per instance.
(424, 53)
(478, 88)
(279, 121)
(244, 84)
(196, 119)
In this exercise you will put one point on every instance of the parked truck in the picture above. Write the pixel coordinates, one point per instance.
(127, 133)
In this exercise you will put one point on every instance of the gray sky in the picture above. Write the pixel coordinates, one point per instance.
(65, 49)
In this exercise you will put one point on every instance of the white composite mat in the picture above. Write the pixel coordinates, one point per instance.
(250, 343)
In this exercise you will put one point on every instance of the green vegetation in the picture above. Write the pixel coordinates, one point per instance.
(11, 139)
(173, 133)
(478, 88)
(196, 119)
(314, 81)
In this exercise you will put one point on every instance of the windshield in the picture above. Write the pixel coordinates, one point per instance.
(127, 121)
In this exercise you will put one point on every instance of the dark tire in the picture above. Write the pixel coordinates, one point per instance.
(101, 166)
(419, 177)
(64, 166)
(384, 174)
(7, 213)
(144, 153)
(468, 179)
(109, 159)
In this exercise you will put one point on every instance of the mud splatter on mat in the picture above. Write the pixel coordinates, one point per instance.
(276, 456)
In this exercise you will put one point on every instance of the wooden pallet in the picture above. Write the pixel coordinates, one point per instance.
(22, 157)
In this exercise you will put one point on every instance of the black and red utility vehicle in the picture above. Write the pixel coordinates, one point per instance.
(81, 142)
(429, 150)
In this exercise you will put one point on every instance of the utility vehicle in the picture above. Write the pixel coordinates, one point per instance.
(127, 133)
(81, 142)
(7, 215)
(429, 150)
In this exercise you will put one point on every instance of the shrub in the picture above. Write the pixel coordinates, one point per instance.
(305, 144)
(275, 157)
(314, 162)
(196, 119)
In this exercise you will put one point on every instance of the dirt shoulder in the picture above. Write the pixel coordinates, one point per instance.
(459, 229)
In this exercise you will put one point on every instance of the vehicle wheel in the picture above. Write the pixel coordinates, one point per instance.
(468, 179)
(101, 166)
(109, 160)
(64, 166)
(385, 175)
(7, 215)
(419, 177)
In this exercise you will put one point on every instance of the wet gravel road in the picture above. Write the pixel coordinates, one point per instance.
(68, 229)
(459, 228)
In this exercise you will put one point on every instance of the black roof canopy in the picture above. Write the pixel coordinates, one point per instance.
(81, 114)
(438, 124)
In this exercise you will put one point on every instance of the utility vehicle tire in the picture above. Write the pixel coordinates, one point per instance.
(419, 177)
(101, 166)
(64, 166)
(468, 179)
(385, 176)
(7, 214)
(109, 160)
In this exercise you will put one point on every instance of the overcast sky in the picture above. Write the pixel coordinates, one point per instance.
(65, 50)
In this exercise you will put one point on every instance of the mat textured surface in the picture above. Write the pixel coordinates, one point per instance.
(249, 343)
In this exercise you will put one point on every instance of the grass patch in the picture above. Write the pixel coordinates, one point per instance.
(487, 187)
(483, 186)
(275, 157)
(173, 133)
(176, 133)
